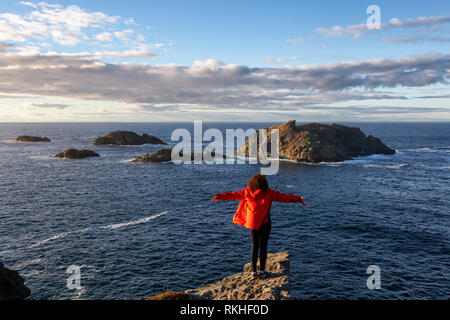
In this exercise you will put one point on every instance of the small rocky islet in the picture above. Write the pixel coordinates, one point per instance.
(77, 154)
(316, 142)
(165, 155)
(31, 139)
(125, 138)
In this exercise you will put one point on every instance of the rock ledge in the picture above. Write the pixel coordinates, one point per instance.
(243, 286)
(12, 285)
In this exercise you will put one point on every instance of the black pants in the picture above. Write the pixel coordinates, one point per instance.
(260, 238)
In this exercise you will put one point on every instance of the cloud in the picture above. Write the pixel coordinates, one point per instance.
(141, 52)
(213, 84)
(123, 35)
(104, 36)
(29, 4)
(415, 39)
(376, 110)
(298, 41)
(281, 60)
(356, 31)
(418, 22)
(48, 106)
(63, 25)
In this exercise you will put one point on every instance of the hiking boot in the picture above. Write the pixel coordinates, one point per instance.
(263, 274)
(255, 275)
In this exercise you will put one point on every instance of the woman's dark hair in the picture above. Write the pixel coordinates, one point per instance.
(258, 181)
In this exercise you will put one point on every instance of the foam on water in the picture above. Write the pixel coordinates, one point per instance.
(110, 227)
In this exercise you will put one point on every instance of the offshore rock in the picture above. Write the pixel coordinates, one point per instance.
(315, 142)
(31, 139)
(165, 154)
(123, 138)
(77, 154)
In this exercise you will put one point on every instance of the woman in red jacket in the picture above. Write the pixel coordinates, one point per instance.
(254, 213)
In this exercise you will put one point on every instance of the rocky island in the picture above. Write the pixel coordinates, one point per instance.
(165, 154)
(123, 138)
(77, 154)
(162, 155)
(31, 139)
(243, 286)
(315, 142)
(12, 285)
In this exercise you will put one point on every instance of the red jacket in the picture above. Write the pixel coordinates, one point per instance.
(253, 211)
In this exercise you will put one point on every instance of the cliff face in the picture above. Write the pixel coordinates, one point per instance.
(243, 286)
(317, 142)
(12, 285)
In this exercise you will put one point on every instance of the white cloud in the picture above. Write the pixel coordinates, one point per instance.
(281, 60)
(415, 39)
(123, 35)
(418, 22)
(64, 25)
(104, 36)
(29, 4)
(213, 84)
(43, 105)
(65, 38)
(356, 31)
(299, 41)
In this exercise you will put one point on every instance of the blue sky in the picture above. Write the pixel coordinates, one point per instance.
(223, 61)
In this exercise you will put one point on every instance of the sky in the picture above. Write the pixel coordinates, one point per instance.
(179, 61)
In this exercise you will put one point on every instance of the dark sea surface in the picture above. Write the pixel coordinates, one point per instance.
(137, 230)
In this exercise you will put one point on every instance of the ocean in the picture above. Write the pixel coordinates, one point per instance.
(136, 230)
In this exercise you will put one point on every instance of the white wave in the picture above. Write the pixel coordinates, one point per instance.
(111, 227)
(42, 157)
(6, 252)
(434, 150)
(26, 264)
(152, 144)
(389, 166)
(130, 223)
(31, 273)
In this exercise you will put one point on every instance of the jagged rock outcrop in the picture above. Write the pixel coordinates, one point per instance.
(12, 285)
(315, 142)
(164, 155)
(123, 138)
(31, 139)
(77, 154)
(243, 286)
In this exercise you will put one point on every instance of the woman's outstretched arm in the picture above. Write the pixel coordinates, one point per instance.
(278, 196)
(237, 195)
